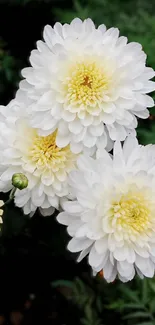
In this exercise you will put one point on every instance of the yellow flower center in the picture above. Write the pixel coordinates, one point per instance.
(45, 153)
(86, 84)
(132, 213)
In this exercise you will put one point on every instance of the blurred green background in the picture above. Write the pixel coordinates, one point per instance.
(40, 282)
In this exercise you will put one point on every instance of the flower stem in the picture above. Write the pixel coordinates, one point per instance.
(11, 196)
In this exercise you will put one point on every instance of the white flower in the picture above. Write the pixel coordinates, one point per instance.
(113, 217)
(45, 165)
(88, 83)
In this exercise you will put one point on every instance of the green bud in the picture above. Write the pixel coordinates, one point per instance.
(19, 181)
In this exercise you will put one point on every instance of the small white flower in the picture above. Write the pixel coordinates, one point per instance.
(45, 165)
(88, 83)
(113, 217)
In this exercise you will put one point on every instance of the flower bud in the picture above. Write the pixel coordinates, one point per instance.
(19, 181)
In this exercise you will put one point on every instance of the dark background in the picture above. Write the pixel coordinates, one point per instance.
(40, 281)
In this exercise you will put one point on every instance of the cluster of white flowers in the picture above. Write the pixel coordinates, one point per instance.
(80, 98)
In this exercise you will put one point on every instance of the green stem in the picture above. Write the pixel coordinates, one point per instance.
(11, 196)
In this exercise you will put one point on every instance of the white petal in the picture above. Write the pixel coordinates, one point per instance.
(145, 265)
(36, 199)
(101, 245)
(75, 126)
(142, 114)
(141, 251)
(83, 254)
(85, 163)
(54, 201)
(72, 228)
(94, 258)
(76, 245)
(129, 145)
(62, 141)
(61, 175)
(89, 140)
(68, 116)
(64, 218)
(72, 207)
(47, 212)
(97, 130)
(108, 271)
(108, 118)
(76, 147)
(89, 25)
(119, 254)
(126, 269)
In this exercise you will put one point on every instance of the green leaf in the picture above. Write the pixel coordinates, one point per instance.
(145, 323)
(62, 283)
(145, 291)
(133, 306)
(137, 314)
(152, 285)
(88, 312)
(132, 295)
(77, 6)
(152, 306)
(119, 304)
(99, 304)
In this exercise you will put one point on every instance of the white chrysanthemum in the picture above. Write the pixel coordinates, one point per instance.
(113, 216)
(87, 83)
(46, 166)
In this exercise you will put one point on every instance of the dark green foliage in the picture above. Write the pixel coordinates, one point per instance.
(9, 70)
(130, 304)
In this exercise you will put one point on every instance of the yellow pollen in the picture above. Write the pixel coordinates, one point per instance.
(86, 84)
(131, 213)
(45, 153)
